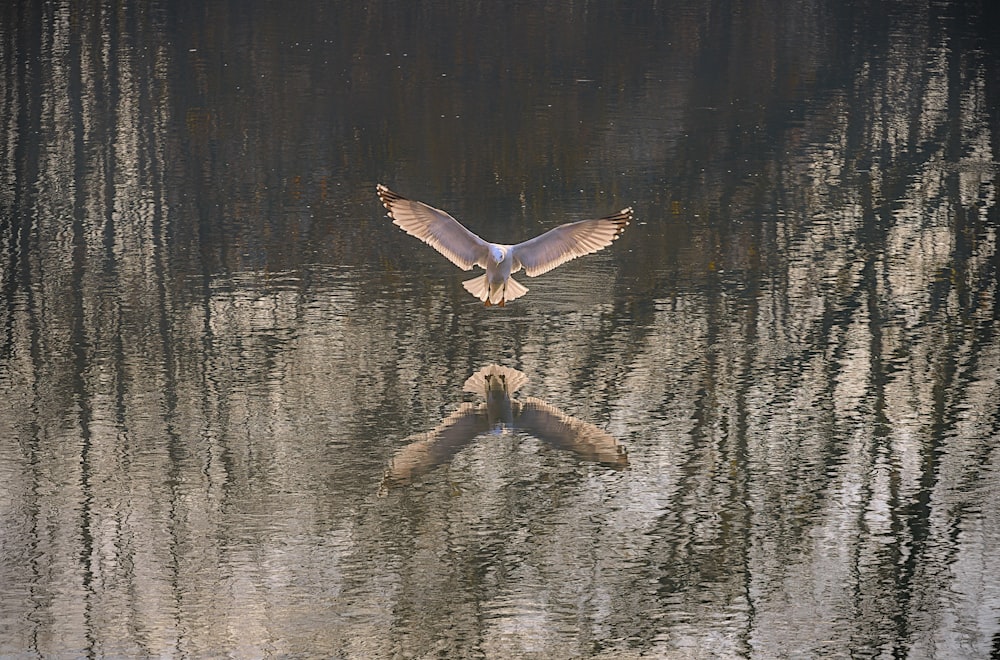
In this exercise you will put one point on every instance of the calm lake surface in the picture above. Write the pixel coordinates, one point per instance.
(765, 423)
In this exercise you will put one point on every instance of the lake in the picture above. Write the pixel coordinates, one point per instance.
(244, 415)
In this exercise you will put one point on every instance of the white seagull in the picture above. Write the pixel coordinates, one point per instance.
(464, 249)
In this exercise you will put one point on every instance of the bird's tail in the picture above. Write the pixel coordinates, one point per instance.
(480, 288)
(479, 382)
(514, 290)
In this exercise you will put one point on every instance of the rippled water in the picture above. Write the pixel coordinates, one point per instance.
(235, 417)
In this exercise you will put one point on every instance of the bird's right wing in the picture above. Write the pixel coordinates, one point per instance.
(436, 228)
(424, 451)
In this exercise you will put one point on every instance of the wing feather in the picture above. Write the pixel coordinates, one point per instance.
(436, 228)
(575, 239)
(552, 425)
(425, 451)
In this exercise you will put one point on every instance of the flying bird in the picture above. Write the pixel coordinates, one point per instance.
(500, 414)
(464, 249)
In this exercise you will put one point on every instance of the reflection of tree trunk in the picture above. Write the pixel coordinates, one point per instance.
(87, 283)
(19, 174)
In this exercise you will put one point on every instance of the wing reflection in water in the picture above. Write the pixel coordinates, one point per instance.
(500, 413)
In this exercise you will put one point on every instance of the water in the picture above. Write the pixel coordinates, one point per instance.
(215, 349)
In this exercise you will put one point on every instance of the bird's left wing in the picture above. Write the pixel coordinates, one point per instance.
(436, 228)
(575, 239)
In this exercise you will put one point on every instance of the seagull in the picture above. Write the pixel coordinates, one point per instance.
(464, 249)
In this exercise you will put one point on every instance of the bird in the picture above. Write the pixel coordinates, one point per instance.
(464, 249)
(500, 414)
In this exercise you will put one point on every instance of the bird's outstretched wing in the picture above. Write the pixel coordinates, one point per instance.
(436, 228)
(424, 451)
(562, 431)
(575, 239)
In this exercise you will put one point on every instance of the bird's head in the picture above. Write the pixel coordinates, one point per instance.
(497, 252)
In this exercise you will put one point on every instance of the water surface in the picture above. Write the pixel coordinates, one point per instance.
(213, 344)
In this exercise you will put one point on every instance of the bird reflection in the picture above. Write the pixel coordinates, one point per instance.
(500, 413)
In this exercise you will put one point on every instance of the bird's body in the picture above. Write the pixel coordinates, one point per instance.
(535, 256)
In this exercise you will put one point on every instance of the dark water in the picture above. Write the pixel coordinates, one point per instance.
(215, 349)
